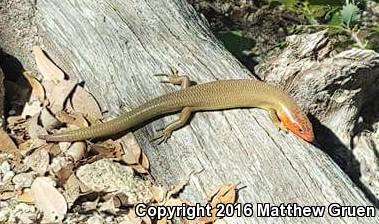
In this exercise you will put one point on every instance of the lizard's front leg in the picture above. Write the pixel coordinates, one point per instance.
(275, 120)
(176, 79)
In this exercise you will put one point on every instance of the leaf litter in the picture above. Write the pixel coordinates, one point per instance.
(107, 178)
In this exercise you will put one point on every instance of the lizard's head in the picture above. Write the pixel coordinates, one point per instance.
(298, 123)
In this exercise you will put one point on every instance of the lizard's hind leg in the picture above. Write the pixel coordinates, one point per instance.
(165, 134)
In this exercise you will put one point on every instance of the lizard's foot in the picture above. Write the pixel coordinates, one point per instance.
(275, 120)
(283, 130)
(174, 78)
(163, 136)
(173, 73)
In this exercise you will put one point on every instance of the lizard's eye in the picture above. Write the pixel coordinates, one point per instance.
(300, 129)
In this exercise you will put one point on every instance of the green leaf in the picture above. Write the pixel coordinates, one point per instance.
(350, 14)
(336, 20)
(375, 28)
(289, 3)
(236, 42)
(326, 2)
(312, 20)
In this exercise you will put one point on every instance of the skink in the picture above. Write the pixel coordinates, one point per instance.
(216, 95)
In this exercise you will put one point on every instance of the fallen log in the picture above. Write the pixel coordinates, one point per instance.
(116, 46)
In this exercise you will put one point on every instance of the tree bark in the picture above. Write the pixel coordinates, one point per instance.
(340, 91)
(116, 46)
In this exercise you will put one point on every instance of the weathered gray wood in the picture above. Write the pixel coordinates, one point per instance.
(116, 46)
(337, 90)
(18, 32)
(343, 82)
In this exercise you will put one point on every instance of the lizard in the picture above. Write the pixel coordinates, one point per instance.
(215, 95)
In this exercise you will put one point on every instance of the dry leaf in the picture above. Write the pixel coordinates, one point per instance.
(145, 162)
(25, 147)
(60, 94)
(34, 130)
(143, 167)
(18, 127)
(46, 67)
(8, 146)
(75, 119)
(16, 122)
(64, 146)
(49, 86)
(108, 149)
(31, 108)
(77, 151)
(54, 150)
(134, 156)
(48, 120)
(49, 200)
(159, 193)
(163, 196)
(121, 199)
(180, 185)
(225, 194)
(132, 149)
(39, 160)
(64, 173)
(62, 167)
(83, 102)
(72, 190)
(26, 196)
(37, 89)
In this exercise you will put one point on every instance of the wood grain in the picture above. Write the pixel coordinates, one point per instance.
(116, 46)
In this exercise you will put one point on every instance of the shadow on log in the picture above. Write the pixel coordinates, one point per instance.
(337, 90)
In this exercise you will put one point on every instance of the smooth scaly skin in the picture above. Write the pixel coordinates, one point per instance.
(217, 95)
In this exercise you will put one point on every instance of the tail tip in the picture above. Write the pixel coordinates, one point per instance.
(44, 137)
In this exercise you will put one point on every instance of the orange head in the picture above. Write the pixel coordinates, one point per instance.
(298, 123)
